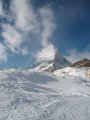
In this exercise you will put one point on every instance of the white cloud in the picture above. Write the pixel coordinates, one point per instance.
(12, 38)
(24, 15)
(48, 24)
(3, 53)
(74, 55)
(48, 27)
(1, 9)
(27, 21)
(25, 51)
(46, 53)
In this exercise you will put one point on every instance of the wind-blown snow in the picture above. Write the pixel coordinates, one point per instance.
(28, 94)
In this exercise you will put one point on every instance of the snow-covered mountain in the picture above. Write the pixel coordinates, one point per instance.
(50, 65)
(36, 94)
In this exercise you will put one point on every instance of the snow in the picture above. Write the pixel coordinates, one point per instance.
(33, 94)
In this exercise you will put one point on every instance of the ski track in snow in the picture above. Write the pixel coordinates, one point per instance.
(30, 95)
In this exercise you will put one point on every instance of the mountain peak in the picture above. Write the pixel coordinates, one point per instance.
(57, 56)
(57, 62)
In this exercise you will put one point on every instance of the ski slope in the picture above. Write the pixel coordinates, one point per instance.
(33, 94)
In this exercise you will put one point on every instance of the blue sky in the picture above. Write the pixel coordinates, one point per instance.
(32, 30)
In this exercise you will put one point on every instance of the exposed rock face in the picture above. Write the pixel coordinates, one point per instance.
(60, 62)
(82, 63)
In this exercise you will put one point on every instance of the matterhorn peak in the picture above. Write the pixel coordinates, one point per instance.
(56, 55)
(59, 61)
(55, 63)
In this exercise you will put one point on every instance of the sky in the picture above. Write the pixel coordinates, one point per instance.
(32, 30)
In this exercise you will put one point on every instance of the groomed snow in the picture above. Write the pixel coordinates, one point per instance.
(29, 94)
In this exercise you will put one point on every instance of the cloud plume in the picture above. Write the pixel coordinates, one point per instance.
(47, 53)
(48, 27)
(23, 21)
(24, 15)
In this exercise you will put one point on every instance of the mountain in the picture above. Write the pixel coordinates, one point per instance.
(82, 63)
(58, 62)
(34, 94)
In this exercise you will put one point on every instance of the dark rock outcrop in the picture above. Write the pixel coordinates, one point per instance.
(82, 63)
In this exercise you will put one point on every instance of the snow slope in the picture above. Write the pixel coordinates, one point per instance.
(30, 94)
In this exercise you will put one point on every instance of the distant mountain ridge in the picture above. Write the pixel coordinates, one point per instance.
(82, 63)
